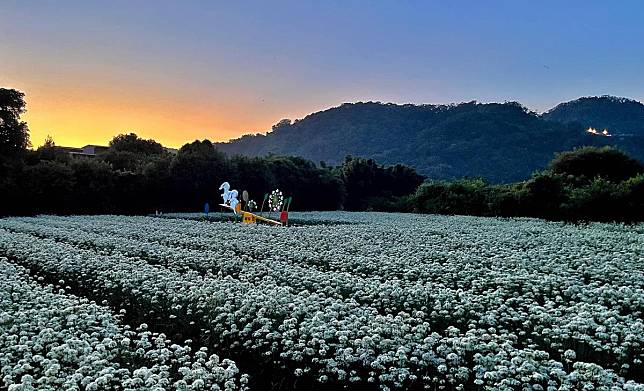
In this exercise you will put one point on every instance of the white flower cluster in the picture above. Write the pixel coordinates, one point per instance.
(397, 301)
(52, 341)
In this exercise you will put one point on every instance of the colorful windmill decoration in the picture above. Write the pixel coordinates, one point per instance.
(275, 201)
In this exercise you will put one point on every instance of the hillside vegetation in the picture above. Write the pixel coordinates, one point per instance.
(138, 176)
(501, 142)
(624, 117)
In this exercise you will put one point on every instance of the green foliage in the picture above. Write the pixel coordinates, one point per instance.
(541, 196)
(620, 116)
(311, 186)
(578, 186)
(588, 163)
(138, 176)
(633, 198)
(465, 196)
(499, 142)
(564, 192)
(368, 184)
(599, 200)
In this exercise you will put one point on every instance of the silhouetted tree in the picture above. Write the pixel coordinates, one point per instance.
(311, 187)
(49, 151)
(157, 188)
(49, 142)
(633, 199)
(465, 197)
(94, 188)
(14, 134)
(197, 171)
(284, 123)
(253, 175)
(132, 143)
(542, 195)
(14, 139)
(128, 152)
(365, 181)
(48, 187)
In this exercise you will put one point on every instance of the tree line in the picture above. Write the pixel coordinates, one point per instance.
(139, 176)
(125, 181)
(586, 184)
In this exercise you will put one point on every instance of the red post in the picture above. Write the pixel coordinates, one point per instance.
(284, 217)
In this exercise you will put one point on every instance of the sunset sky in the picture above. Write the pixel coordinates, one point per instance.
(184, 70)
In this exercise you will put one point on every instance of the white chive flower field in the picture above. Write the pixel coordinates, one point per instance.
(355, 301)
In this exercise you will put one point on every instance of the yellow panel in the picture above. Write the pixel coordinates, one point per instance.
(248, 218)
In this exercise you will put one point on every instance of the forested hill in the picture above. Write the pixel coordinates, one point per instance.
(500, 142)
(621, 116)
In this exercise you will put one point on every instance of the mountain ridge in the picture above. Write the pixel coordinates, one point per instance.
(501, 142)
(622, 116)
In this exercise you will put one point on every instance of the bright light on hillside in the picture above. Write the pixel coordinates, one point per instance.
(594, 131)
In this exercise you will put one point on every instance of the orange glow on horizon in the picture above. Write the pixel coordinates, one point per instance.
(93, 114)
(78, 121)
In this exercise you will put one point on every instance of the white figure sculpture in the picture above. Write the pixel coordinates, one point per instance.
(229, 196)
(233, 200)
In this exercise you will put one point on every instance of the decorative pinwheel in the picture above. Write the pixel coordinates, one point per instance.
(276, 200)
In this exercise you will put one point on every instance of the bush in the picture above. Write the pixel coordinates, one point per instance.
(600, 200)
(465, 197)
(47, 187)
(542, 195)
(633, 199)
(369, 184)
(591, 162)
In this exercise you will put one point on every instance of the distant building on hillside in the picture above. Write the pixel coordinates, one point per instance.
(94, 149)
(91, 150)
(87, 151)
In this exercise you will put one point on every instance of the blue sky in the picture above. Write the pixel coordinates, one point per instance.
(195, 69)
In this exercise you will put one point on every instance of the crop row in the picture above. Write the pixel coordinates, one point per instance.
(468, 309)
(52, 340)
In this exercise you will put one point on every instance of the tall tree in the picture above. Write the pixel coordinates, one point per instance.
(366, 180)
(129, 152)
(14, 133)
(133, 143)
(198, 170)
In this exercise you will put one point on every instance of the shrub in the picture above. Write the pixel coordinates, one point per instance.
(590, 162)
(465, 196)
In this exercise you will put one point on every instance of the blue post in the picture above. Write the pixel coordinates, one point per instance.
(206, 209)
